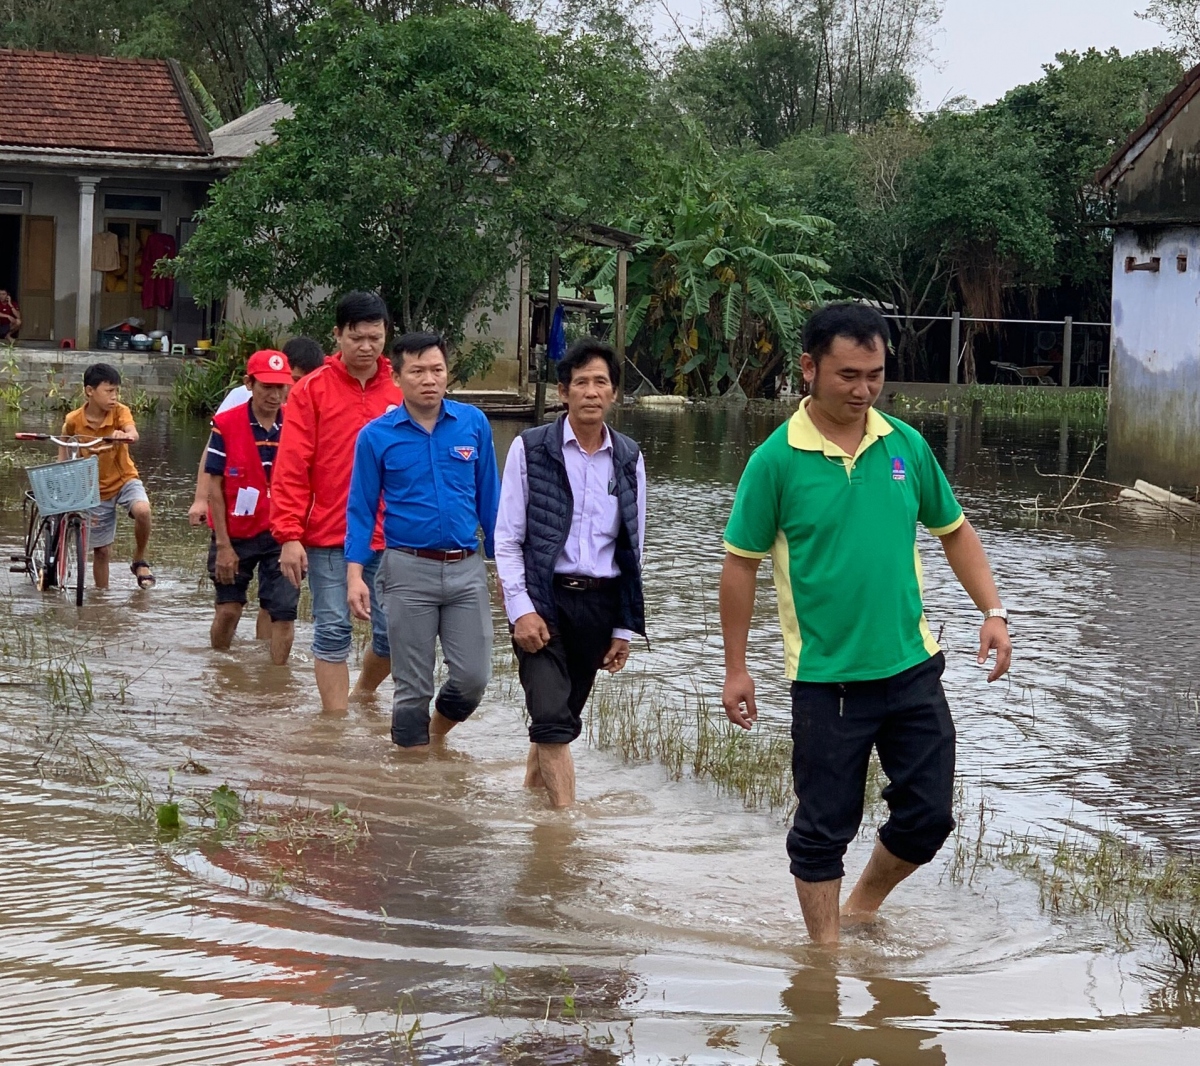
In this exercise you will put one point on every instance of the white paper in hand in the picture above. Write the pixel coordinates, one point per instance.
(246, 503)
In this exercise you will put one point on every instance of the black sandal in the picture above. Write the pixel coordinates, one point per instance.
(145, 581)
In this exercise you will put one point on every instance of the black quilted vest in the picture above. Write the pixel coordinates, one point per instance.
(548, 521)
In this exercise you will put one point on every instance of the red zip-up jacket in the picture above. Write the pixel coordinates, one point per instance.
(311, 478)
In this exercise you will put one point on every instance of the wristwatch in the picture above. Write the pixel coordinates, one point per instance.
(996, 612)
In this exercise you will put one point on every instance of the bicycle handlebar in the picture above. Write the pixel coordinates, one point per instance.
(75, 441)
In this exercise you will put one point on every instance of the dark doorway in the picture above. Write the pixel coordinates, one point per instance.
(10, 254)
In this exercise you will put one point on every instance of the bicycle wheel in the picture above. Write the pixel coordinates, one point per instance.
(70, 565)
(32, 527)
(44, 556)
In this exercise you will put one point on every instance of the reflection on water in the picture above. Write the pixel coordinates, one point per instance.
(655, 922)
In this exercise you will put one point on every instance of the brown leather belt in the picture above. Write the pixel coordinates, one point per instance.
(579, 584)
(453, 555)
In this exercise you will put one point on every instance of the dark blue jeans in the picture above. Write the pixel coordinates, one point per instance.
(907, 720)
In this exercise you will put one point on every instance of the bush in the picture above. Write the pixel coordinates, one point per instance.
(202, 385)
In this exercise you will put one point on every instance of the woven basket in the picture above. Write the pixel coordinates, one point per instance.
(70, 486)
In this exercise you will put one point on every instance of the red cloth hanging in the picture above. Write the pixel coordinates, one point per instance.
(157, 292)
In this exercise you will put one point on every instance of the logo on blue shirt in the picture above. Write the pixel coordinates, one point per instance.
(463, 451)
(898, 471)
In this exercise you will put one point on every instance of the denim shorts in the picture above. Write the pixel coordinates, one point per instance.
(102, 523)
(331, 613)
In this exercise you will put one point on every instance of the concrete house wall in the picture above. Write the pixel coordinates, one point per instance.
(1154, 409)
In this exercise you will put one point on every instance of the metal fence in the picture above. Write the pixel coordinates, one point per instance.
(1023, 374)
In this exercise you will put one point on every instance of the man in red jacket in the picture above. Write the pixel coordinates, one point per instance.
(311, 483)
(239, 459)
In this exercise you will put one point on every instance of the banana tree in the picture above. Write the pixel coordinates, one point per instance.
(720, 288)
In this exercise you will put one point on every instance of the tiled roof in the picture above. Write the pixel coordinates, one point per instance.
(48, 100)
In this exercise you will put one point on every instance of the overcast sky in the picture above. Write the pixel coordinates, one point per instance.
(982, 48)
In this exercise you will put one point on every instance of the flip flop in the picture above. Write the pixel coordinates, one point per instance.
(145, 581)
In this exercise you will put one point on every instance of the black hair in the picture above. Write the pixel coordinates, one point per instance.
(415, 344)
(853, 321)
(582, 352)
(100, 374)
(356, 307)
(305, 353)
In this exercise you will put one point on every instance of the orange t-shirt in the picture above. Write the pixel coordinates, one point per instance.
(116, 467)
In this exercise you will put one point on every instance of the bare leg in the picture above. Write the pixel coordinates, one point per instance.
(883, 873)
(440, 725)
(282, 634)
(533, 769)
(374, 669)
(100, 557)
(224, 624)
(819, 904)
(333, 683)
(558, 772)
(140, 513)
(262, 625)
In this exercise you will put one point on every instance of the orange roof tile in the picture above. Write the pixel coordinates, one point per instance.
(49, 100)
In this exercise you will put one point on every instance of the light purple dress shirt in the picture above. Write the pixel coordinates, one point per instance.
(590, 550)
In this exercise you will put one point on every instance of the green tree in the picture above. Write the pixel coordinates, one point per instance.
(1079, 112)
(720, 287)
(423, 156)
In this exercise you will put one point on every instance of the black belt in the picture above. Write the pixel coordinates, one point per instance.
(441, 555)
(579, 584)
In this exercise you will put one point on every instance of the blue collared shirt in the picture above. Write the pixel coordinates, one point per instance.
(438, 489)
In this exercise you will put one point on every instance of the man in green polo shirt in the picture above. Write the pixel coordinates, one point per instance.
(834, 497)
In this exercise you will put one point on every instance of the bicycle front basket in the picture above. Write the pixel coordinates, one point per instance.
(70, 486)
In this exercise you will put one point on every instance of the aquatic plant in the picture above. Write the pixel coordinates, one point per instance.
(1181, 936)
(1013, 401)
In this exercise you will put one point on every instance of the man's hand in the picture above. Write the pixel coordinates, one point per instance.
(358, 596)
(198, 512)
(617, 655)
(531, 633)
(293, 561)
(227, 564)
(993, 636)
(737, 697)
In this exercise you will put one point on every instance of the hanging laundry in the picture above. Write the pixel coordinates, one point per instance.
(157, 292)
(106, 252)
(557, 346)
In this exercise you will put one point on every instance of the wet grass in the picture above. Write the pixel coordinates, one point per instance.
(693, 740)
(1012, 402)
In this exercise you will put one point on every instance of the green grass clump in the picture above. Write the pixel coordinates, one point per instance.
(201, 385)
(1014, 401)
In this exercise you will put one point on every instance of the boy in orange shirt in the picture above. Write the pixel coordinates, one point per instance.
(103, 415)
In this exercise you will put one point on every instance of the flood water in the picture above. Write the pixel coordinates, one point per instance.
(657, 922)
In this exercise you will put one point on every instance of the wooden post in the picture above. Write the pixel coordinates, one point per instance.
(539, 396)
(620, 311)
(955, 345)
(523, 313)
(1068, 329)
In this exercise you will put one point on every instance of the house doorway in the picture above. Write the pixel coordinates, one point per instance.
(10, 255)
(37, 279)
(121, 289)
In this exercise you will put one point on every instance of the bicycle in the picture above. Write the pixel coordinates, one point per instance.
(56, 518)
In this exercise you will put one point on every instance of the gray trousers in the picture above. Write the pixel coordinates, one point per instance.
(425, 599)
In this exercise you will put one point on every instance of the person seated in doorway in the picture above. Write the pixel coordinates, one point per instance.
(103, 415)
(10, 317)
(238, 461)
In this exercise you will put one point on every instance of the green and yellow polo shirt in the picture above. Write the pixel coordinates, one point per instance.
(842, 533)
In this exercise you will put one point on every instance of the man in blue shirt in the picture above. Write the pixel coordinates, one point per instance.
(433, 463)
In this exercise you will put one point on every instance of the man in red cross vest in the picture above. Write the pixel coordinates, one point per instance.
(240, 457)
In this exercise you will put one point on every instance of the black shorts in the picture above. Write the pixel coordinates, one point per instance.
(907, 720)
(276, 594)
(558, 679)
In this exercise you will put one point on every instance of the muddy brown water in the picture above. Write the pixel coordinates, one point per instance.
(654, 923)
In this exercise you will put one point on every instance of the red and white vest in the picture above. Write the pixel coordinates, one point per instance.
(243, 470)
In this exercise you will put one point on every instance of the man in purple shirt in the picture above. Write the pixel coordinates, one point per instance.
(569, 537)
